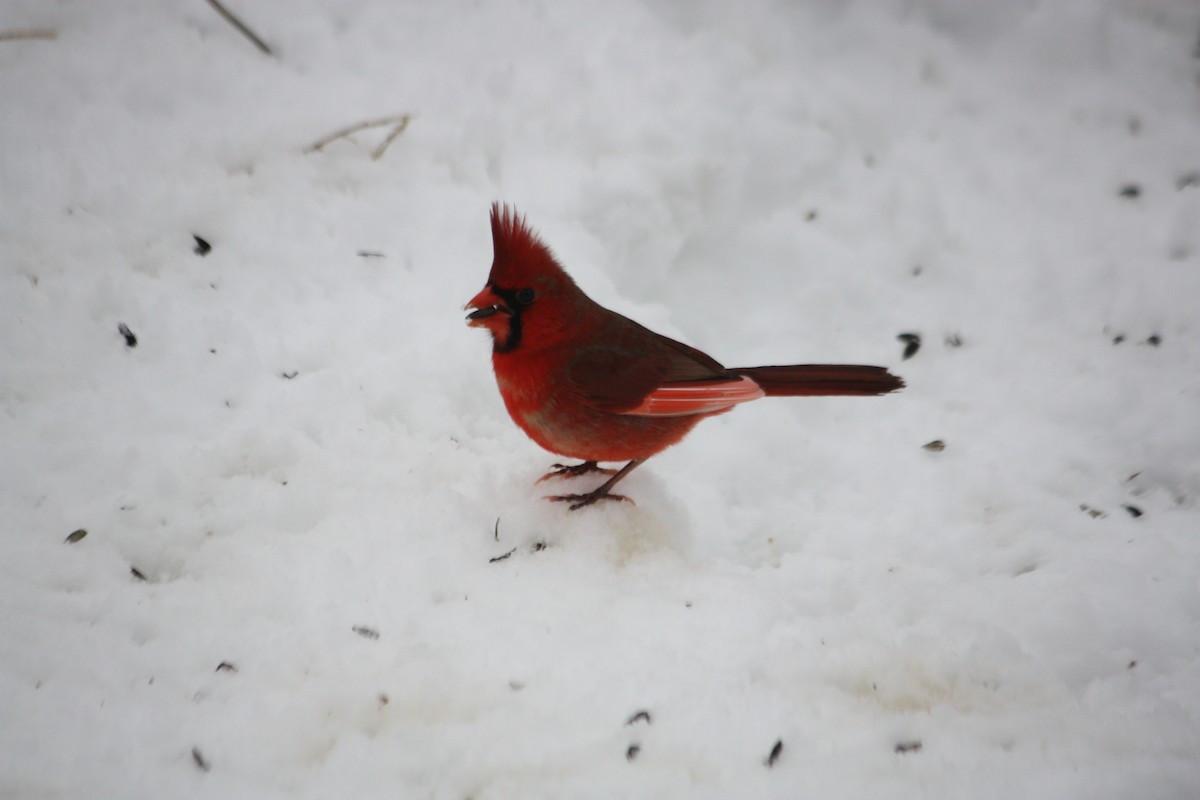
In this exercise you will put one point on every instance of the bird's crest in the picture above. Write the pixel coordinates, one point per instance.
(518, 253)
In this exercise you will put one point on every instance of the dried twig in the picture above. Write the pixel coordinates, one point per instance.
(241, 26)
(502, 557)
(391, 137)
(47, 34)
(398, 122)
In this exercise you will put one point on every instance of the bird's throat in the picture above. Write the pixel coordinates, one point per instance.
(506, 334)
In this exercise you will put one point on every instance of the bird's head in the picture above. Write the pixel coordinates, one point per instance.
(528, 296)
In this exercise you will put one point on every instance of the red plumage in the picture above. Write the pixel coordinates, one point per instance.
(585, 382)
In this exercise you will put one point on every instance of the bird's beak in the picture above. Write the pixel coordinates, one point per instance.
(486, 304)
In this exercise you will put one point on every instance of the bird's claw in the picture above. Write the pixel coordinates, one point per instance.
(575, 470)
(581, 500)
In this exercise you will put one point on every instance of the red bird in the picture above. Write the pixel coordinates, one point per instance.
(585, 382)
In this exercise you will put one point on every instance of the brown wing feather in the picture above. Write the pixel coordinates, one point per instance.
(634, 361)
(685, 398)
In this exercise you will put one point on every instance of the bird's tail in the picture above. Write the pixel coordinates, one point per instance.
(808, 380)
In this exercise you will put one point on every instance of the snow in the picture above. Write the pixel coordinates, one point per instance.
(771, 182)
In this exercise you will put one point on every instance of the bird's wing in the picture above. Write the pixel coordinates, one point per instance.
(684, 398)
(653, 376)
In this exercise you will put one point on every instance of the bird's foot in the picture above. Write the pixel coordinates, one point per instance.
(581, 500)
(575, 470)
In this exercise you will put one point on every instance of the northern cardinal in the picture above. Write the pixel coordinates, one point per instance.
(585, 382)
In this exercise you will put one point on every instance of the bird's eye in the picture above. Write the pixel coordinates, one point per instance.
(525, 296)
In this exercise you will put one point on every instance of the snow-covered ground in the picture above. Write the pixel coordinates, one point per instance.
(306, 458)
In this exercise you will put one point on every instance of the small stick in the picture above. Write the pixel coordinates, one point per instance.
(47, 34)
(502, 557)
(391, 137)
(241, 26)
(399, 121)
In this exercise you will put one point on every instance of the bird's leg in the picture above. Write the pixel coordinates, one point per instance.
(601, 492)
(574, 470)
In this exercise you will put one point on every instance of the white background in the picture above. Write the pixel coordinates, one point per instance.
(773, 183)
